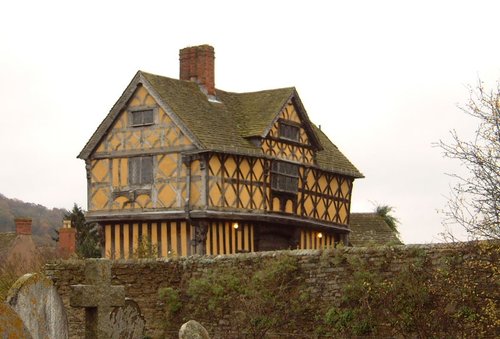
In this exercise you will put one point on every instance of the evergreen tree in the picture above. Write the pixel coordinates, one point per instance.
(87, 234)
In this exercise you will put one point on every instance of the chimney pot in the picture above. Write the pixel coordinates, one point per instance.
(197, 64)
(23, 226)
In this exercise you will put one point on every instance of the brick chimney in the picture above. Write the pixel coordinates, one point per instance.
(67, 239)
(197, 64)
(23, 226)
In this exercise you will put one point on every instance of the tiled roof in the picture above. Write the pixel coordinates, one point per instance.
(370, 229)
(225, 124)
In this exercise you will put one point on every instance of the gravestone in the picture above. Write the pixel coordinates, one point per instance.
(126, 321)
(98, 297)
(35, 299)
(193, 330)
(11, 325)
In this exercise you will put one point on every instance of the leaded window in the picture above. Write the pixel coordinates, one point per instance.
(140, 170)
(142, 117)
(289, 132)
(285, 177)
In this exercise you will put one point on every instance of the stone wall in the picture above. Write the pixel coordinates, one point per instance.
(323, 275)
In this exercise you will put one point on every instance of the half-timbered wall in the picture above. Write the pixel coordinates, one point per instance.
(226, 237)
(163, 140)
(276, 146)
(243, 183)
(237, 182)
(314, 240)
(148, 239)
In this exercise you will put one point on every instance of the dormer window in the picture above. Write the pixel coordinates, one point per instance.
(285, 177)
(289, 131)
(142, 117)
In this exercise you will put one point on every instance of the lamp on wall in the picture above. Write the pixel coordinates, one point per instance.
(235, 225)
(320, 235)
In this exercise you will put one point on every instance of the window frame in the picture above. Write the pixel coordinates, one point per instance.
(285, 129)
(138, 173)
(285, 177)
(142, 110)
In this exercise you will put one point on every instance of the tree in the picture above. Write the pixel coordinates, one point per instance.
(475, 200)
(87, 235)
(385, 211)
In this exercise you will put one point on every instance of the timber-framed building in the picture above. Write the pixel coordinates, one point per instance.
(191, 169)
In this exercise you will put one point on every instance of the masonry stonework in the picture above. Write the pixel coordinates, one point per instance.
(323, 273)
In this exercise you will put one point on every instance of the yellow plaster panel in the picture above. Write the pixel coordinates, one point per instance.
(214, 165)
(244, 168)
(100, 199)
(115, 170)
(230, 166)
(107, 241)
(289, 206)
(126, 241)
(230, 195)
(195, 167)
(345, 188)
(167, 166)
(215, 193)
(123, 172)
(276, 204)
(244, 196)
(184, 239)
(143, 201)
(164, 118)
(343, 213)
(167, 196)
(100, 170)
(120, 203)
(195, 192)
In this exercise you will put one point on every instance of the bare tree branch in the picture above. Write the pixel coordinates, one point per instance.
(475, 200)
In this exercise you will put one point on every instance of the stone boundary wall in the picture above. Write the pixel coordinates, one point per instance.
(323, 273)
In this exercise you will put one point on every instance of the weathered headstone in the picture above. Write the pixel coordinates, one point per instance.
(98, 297)
(35, 299)
(193, 330)
(11, 325)
(127, 322)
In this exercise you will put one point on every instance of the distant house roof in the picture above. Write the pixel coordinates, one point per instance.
(240, 115)
(370, 229)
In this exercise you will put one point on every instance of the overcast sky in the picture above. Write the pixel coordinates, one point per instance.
(382, 78)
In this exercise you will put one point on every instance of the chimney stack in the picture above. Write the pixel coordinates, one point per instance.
(67, 239)
(23, 226)
(197, 64)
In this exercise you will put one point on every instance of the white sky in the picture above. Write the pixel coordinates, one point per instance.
(382, 78)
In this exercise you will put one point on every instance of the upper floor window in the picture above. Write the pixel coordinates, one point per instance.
(140, 170)
(142, 117)
(289, 132)
(285, 177)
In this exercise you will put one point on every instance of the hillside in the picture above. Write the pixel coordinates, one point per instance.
(44, 220)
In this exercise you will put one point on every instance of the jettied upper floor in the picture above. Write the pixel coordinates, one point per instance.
(184, 151)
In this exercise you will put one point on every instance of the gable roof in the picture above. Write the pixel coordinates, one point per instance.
(226, 124)
(370, 229)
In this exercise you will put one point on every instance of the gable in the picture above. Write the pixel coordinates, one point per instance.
(138, 93)
(288, 137)
(129, 134)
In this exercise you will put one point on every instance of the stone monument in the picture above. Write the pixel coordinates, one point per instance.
(98, 297)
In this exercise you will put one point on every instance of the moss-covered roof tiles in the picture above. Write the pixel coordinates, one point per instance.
(370, 229)
(224, 124)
